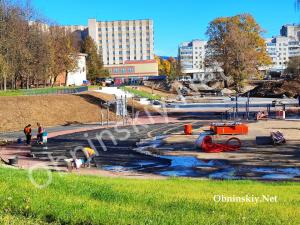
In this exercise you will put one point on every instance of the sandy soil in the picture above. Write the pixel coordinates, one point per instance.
(137, 105)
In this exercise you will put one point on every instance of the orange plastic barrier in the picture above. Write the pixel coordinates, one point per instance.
(230, 129)
(209, 147)
(188, 129)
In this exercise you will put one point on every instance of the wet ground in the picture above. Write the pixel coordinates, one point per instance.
(119, 153)
(115, 148)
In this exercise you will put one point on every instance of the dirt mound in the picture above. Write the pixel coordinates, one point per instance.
(277, 89)
(164, 86)
(16, 112)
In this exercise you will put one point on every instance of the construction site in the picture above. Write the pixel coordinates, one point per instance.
(146, 131)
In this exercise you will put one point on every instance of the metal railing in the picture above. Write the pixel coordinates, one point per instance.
(54, 91)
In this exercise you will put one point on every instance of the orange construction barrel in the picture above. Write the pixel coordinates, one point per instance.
(188, 129)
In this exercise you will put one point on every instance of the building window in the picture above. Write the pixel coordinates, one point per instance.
(123, 70)
(116, 70)
(130, 70)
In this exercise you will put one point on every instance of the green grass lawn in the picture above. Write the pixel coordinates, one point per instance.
(34, 91)
(142, 94)
(72, 199)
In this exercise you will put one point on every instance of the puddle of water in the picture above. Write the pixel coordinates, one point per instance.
(184, 161)
(278, 176)
(154, 142)
(228, 174)
(116, 168)
(186, 166)
(179, 173)
(278, 173)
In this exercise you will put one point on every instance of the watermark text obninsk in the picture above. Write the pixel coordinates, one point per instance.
(246, 199)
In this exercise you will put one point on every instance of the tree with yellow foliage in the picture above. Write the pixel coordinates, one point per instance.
(236, 45)
(169, 67)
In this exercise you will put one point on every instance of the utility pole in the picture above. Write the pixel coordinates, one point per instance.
(101, 114)
(248, 105)
(132, 110)
(107, 115)
(236, 107)
(123, 109)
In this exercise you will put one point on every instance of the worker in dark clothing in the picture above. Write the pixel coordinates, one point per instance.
(27, 132)
(40, 132)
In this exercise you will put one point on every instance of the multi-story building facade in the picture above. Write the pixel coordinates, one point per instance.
(120, 41)
(278, 50)
(284, 47)
(192, 56)
(126, 47)
(291, 31)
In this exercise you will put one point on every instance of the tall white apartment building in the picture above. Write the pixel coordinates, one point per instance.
(192, 56)
(121, 41)
(281, 49)
(291, 31)
(278, 50)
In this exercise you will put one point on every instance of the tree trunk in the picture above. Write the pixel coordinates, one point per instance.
(225, 84)
(27, 82)
(4, 83)
(66, 79)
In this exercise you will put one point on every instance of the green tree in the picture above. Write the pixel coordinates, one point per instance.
(4, 70)
(236, 45)
(94, 60)
(175, 68)
(293, 67)
(62, 54)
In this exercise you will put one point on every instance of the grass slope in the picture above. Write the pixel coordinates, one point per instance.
(36, 91)
(142, 94)
(72, 199)
(18, 111)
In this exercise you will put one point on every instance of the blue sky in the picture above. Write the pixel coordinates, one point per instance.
(174, 21)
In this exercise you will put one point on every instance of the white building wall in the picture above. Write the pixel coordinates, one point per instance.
(291, 31)
(78, 76)
(119, 41)
(192, 56)
(281, 49)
